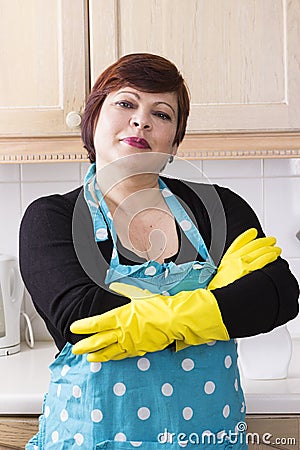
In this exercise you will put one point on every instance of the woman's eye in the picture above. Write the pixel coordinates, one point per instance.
(125, 104)
(163, 116)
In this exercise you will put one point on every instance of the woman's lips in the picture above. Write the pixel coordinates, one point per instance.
(136, 142)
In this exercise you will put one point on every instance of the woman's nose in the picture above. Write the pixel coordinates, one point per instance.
(140, 122)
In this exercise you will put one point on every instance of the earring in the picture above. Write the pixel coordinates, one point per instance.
(171, 159)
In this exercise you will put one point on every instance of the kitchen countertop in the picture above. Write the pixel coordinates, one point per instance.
(275, 396)
(25, 377)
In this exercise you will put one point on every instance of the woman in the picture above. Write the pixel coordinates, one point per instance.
(185, 259)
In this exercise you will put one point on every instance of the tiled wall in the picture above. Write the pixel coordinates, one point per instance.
(272, 187)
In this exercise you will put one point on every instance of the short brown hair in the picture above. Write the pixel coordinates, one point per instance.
(145, 72)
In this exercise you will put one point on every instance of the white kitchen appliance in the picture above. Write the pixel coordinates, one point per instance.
(11, 295)
(266, 356)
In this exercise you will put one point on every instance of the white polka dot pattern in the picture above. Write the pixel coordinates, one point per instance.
(101, 234)
(209, 387)
(95, 367)
(187, 364)
(96, 415)
(55, 437)
(79, 439)
(185, 225)
(151, 270)
(119, 389)
(227, 361)
(226, 411)
(64, 415)
(187, 413)
(143, 413)
(47, 411)
(167, 389)
(76, 391)
(166, 192)
(143, 364)
(120, 437)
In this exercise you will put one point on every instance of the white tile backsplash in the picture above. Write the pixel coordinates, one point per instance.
(50, 172)
(10, 212)
(271, 187)
(83, 170)
(250, 189)
(19, 186)
(38, 325)
(232, 168)
(294, 325)
(32, 191)
(282, 167)
(9, 173)
(190, 170)
(282, 213)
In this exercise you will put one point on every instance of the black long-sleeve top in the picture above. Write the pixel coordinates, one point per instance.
(64, 269)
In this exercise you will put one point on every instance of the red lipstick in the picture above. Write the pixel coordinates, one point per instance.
(136, 142)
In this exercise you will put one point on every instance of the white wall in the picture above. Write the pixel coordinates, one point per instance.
(272, 187)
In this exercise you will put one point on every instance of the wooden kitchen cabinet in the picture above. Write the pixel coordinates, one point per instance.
(240, 59)
(43, 67)
(267, 432)
(16, 431)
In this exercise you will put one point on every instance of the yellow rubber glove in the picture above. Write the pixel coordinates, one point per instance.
(150, 322)
(245, 254)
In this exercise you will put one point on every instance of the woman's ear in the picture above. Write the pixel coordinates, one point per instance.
(174, 150)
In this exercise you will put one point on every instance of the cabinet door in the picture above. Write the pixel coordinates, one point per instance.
(240, 58)
(15, 432)
(268, 432)
(43, 66)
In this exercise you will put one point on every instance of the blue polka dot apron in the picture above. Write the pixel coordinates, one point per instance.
(163, 400)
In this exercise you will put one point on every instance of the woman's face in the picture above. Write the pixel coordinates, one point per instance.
(132, 122)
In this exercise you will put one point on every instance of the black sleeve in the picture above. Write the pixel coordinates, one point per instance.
(64, 289)
(263, 299)
(61, 290)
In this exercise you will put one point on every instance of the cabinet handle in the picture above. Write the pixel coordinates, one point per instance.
(73, 119)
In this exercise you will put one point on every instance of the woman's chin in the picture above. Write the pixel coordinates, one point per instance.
(136, 162)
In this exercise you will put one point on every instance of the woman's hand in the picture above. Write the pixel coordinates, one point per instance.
(150, 322)
(245, 254)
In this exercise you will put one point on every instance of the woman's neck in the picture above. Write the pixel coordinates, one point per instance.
(133, 194)
(131, 181)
